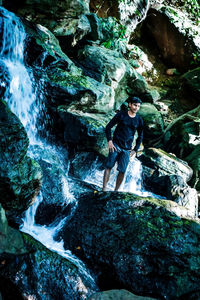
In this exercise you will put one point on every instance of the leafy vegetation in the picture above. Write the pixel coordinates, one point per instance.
(193, 8)
(114, 34)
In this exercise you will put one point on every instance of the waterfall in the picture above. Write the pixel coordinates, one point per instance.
(21, 96)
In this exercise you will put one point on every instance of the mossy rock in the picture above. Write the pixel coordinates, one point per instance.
(139, 243)
(41, 271)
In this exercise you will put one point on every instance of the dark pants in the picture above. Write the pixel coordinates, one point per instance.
(120, 156)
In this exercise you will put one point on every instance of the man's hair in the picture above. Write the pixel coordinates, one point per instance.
(134, 100)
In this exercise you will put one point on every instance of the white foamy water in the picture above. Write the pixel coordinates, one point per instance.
(132, 182)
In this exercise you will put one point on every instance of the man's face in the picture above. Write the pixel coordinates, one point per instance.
(134, 107)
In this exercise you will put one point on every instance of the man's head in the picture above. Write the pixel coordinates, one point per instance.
(134, 104)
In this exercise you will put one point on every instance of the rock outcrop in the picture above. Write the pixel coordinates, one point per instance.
(174, 34)
(141, 244)
(29, 269)
(20, 176)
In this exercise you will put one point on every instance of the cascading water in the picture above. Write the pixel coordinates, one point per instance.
(21, 96)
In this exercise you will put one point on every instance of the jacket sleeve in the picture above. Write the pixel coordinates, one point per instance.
(110, 125)
(140, 135)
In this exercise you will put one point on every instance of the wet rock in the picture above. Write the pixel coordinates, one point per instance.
(175, 36)
(11, 241)
(85, 131)
(141, 244)
(63, 18)
(20, 176)
(43, 274)
(172, 187)
(96, 28)
(83, 162)
(166, 164)
(117, 295)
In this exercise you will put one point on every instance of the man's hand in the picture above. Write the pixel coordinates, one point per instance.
(132, 154)
(111, 147)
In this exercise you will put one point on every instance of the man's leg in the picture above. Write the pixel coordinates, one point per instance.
(120, 178)
(111, 160)
(122, 166)
(106, 177)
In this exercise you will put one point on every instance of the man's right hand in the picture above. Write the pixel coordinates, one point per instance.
(111, 146)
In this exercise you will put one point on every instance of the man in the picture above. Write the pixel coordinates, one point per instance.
(120, 146)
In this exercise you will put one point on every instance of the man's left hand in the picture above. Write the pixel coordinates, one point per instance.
(132, 154)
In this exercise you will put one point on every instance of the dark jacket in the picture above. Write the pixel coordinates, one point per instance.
(125, 131)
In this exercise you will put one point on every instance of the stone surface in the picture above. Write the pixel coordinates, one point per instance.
(108, 67)
(117, 295)
(183, 134)
(20, 176)
(129, 13)
(176, 37)
(141, 244)
(11, 241)
(62, 18)
(171, 187)
(165, 163)
(86, 131)
(153, 123)
(42, 274)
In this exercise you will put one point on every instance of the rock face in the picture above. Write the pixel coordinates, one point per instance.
(176, 38)
(61, 18)
(166, 175)
(153, 123)
(11, 241)
(182, 137)
(166, 164)
(129, 13)
(117, 295)
(20, 176)
(137, 243)
(28, 269)
(108, 67)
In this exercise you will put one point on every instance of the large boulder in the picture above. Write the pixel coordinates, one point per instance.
(11, 241)
(165, 163)
(182, 135)
(166, 175)
(117, 295)
(29, 269)
(141, 244)
(108, 67)
(20, 176)
(175, 35)
(153, 123)
(85, 131)
(63, 18)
